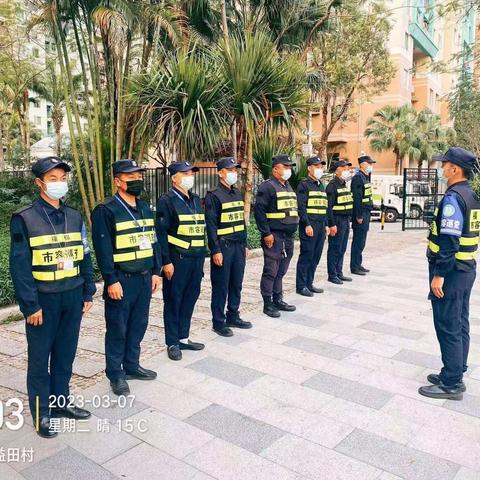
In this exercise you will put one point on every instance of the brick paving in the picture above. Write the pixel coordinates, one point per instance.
(327, 392)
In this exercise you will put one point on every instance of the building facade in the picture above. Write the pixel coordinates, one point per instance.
(419, 37)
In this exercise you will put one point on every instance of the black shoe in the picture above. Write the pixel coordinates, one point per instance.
(120, 387)
(364, 270)
(435, 379)
(174, 352)
(44, 428)
(271, 310)
(191, 346)
(358, 272)
(141, 374)
(441, 392)
(238, 323)
(284, 306)
(343, 278)
(71, 412)
(335, 280)
(305, 292)
(315, 289)
(223, 331)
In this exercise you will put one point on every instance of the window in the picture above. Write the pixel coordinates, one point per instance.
(37, 120)
(49, 127)
(407, 79)
(36, 52)
(407, 41)
(431, 100)
(36, 103)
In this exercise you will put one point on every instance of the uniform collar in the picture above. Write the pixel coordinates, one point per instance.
(187, 199)
(279, 182)
(132, 207)
(314, 181)
(364, 174)
(462, 182)
(340, 181)
(227, 189)
(50, 208)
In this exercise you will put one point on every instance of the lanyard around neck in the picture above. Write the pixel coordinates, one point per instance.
(135, 221)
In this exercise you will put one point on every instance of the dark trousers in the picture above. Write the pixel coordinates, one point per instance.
(360, 232)
(310, 253)
(180, 295)
(337, 246)
(52, 347)
(450, 318)
(126, 322)
(275, 265)
(227, 283)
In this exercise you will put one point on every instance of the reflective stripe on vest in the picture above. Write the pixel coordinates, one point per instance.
(142, 222)
(317, 202)
(367, 193)
(285, 201)
(344, 201)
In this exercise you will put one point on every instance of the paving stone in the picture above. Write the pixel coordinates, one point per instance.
(396, 458)
(317, 462)
(96, 444)
(237, 338)
(145, 461)
(226, 371)
(167, 399)
(173, 436)
(86, 367)
(226, 461)
(246, 432)
(470, 405)
(467, 474)
(305, 320)
(321, 348)
(390, 330)
(67, 465)
(419, 358)
(113, 409)
(376, 348)
(13, 378)
(93, 344)
(12, 347)
(363, 307)
(9, 473)
(349, 390)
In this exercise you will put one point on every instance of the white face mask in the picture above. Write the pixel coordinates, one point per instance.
(56, 190)
(317, 173)
(286, 174)
(346, 175)
(187, 182)
(231, 178)
(369, 170)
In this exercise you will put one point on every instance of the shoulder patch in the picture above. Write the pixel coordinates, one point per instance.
(23, 209)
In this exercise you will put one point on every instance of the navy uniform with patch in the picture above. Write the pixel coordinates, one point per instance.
(452, 249)
(51, 269)
(276, 213)
(339, 212)
(362, 206)
(180, 230)
(312, 209)
(127, 252)
(227, 234)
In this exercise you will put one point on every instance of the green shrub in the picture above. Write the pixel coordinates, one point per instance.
(7, 296)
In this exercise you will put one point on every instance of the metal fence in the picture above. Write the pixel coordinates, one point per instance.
(157, 182)
(422, 192)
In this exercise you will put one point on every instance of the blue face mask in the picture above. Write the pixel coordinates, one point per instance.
(441, 176)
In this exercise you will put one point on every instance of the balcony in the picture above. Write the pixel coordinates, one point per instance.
(422, 40)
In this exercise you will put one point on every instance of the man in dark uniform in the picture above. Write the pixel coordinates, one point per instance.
(276, 214)
(54, 284)
(227, 241)
(362, 206)
(340, 208)
(312, 209)
(181, 235)
(128, 257)
(452, 248)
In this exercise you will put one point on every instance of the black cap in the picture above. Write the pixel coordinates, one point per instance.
(184, 166)
(315, 161)
(365, 158)
(227, 162)
(44, 165)
(126, 166)
(459, 156)
(283, 160)
(339, 163)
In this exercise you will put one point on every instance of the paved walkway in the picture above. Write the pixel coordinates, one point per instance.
(328, 392)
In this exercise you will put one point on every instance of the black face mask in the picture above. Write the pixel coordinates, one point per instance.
(134, 187)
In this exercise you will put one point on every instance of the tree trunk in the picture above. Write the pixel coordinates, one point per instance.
(2, 157)
(248, 179)
(26, 108)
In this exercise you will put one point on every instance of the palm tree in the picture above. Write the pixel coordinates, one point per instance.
(393, 128)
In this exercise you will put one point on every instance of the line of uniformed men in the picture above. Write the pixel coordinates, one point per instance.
(53, 276)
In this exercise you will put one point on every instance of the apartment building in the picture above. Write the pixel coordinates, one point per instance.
(419, 37)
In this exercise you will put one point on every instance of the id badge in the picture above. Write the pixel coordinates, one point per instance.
(67, 264)
(144, 243)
